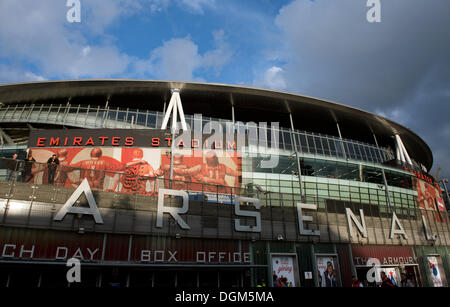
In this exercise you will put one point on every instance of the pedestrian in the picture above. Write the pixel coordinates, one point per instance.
(261, 284)
(52, 163)
(356, 283)
(27, 174)
(386, 282)
(406, 282)
(12, 168)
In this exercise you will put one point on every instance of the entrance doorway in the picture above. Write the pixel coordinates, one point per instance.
(411, 273)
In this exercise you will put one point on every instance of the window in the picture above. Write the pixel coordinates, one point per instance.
(287, 140)
(303, 142)
(398, 179)
(326, 148)
(311, 145)
(318, 145)
(332, 147)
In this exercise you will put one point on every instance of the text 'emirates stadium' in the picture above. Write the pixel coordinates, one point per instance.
(176, 184)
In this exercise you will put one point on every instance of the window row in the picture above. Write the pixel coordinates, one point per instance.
(335, 170)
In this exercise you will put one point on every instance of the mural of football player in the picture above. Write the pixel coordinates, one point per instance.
(428, 197)
(213, 173)
(93, 169)
(182, 174)
(137, 173)
(63, 170)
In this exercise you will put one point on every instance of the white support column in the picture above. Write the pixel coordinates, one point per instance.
(402, 153)
(180, 110)
(174, 107)
(174, 116)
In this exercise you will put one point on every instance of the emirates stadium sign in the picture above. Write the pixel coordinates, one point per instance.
(139, 138)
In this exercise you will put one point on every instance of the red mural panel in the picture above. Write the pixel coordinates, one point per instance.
(429, 198)
(116, 247)
(135, 170)
(344, 264)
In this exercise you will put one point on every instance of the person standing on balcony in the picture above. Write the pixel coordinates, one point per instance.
(27, 173)
(52, 164)
(12, 168)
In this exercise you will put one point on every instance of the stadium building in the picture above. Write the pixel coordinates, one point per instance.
(152, 183)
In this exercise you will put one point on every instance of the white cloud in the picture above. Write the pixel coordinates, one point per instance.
(37, 32)
(176, 59)
(198, 5)
(159, 5)
(179, 59)
(97, 62)
(192, 6)
(219, 57)
(10, 74)
(273, 79)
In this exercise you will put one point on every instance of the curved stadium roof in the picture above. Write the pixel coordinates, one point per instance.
(215, 100)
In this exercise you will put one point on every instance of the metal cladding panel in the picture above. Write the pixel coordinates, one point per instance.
(345, 265)
(116, 248)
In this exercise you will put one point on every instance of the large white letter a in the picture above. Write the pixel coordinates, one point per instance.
(69, 208)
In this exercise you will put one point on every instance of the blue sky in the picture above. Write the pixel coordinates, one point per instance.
(398, 68)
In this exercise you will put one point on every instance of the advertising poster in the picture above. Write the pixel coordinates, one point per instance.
(140, 170)
(429, 198)
(434, 271)
(326, 269)
(283, 274)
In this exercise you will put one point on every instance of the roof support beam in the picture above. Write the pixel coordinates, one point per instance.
(4, 137)
(402, 154)
(174, 107)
